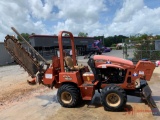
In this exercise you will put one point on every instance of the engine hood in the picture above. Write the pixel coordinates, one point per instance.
(103, 59)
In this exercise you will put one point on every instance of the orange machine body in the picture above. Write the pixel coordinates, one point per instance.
(56, 75)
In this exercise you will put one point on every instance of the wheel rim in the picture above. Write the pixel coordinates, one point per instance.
(66, 97)
(113, 99)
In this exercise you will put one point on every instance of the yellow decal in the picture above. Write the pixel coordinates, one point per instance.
(88, 78)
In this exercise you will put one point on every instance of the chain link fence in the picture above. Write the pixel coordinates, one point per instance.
(144, 49)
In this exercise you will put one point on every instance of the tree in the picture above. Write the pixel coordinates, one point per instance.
(66, 35)
(145, 46)
(157, 37)
(25, 35)
(113, 40)
(33, 34)
(82, 34)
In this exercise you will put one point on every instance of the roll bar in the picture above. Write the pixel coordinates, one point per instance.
(60, 42)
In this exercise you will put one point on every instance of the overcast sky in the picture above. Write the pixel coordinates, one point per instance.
(95, 17)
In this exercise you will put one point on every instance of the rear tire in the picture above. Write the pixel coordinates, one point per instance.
(113, 98)
(68, 95)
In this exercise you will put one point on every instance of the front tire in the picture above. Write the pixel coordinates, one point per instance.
(113, 98)
(68, 95)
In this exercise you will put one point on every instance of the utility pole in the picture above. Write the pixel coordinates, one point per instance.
(122, 48)
(103, 40)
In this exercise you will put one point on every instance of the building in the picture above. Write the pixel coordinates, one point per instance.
(5, 57)
(48, 45)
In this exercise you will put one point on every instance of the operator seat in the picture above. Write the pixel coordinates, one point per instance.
(69, 63)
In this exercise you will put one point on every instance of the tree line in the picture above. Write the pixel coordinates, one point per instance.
(25, 36)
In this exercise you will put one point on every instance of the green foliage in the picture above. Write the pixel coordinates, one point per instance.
(113, 45)
(145, 47)
(66, 35)
(25, 35)
(98, 37)
(82, 34)
(157, 36)
(33, 34)
(139, 37)
(146, 51)
(113, 40)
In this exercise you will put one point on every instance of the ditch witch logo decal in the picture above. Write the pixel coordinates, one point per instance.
(67, 77)
(135, 74)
